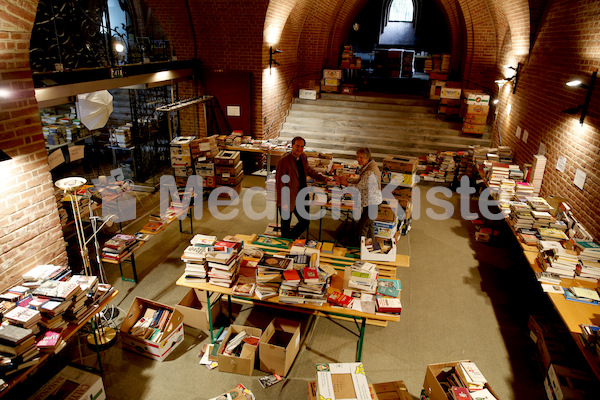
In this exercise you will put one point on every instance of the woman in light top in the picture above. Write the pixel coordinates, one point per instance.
(369, 186)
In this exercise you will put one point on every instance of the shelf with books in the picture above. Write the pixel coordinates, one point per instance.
(66, 334)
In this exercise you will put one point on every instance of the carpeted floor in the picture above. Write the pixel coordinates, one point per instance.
(462, 300)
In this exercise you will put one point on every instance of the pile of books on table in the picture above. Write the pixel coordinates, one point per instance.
(118, 247)
(17, 348)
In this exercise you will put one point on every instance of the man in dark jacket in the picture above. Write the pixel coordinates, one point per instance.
(292, 170)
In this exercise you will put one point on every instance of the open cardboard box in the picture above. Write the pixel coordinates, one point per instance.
(171, 338)
(432, 387)
(72, 383)
(194, 308)
(342, 381)
(366, 255)
(279, 345)
(379, 391)
(244, 364)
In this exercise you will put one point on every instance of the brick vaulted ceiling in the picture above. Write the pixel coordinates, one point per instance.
(237, 33)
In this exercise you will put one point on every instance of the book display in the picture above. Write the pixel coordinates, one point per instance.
(44, 314)
(554, 244)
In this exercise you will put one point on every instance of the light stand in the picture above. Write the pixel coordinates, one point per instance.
(70, 186)
(101, 336)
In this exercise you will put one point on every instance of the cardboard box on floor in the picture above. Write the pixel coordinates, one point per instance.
(342, 381)
(244, 364)
(568, 383)
(73, 384)
(279, 345)
(432, 387)
(194, 308)
(171, 338)
(379, 391)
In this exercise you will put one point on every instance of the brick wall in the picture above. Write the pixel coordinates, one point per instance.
(30, 230)
(567, 45)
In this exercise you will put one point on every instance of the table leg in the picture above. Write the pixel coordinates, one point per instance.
(229, 306)
(210, 323)
(361, 339)
(96, 345)
(135, 278)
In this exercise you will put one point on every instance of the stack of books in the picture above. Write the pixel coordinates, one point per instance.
(203, 240)
(50, 342)
(552, 234)
(41, 273)
(223, 267)
(117, 247)
(471, 376)
(523, 189)
(363, 276)
(520, 216)
(18, 349)
(24, 317)
(537, 174)
(152, 324)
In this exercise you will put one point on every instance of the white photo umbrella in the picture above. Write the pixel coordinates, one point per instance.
(93, 109)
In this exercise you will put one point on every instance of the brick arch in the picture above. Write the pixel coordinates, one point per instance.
(30, 230)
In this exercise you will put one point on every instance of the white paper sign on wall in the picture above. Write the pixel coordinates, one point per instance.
(561, 163)
(579, 180)
(542, 149)
(518, 132)
(525, 135)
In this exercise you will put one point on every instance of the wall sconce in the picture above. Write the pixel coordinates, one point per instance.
(582, 107)
(514, 78)
(271, 60)
(4, 156)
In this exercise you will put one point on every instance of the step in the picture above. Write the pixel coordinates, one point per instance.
(384, 99)
(412, 112)
(362, 128)
(366, 104)
(390, 139)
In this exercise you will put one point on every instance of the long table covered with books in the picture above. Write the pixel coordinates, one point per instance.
(325, 309)
(574, 314)
(155, 225)
(66, 334)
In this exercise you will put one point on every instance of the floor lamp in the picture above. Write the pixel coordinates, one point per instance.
(101, 335)
(70, 186)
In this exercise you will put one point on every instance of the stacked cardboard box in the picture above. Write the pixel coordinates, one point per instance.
(450, 99)
(349, 60)
(475, 109)
(332, 78)
(394, 62)
(204, 151)
(229, 169)
(438, 67)
(181, 159)
(400, 171)
(408, 57)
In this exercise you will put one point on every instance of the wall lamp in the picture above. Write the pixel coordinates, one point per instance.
(582, 107)
(4, 156)
(514, 78)
(271, 60)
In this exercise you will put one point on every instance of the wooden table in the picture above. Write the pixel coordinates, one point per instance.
(571, 312)
(257, 150)
(66, 334)
(130, 255)
(326, 309)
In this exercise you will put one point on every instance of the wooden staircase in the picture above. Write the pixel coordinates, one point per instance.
(405, 125)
